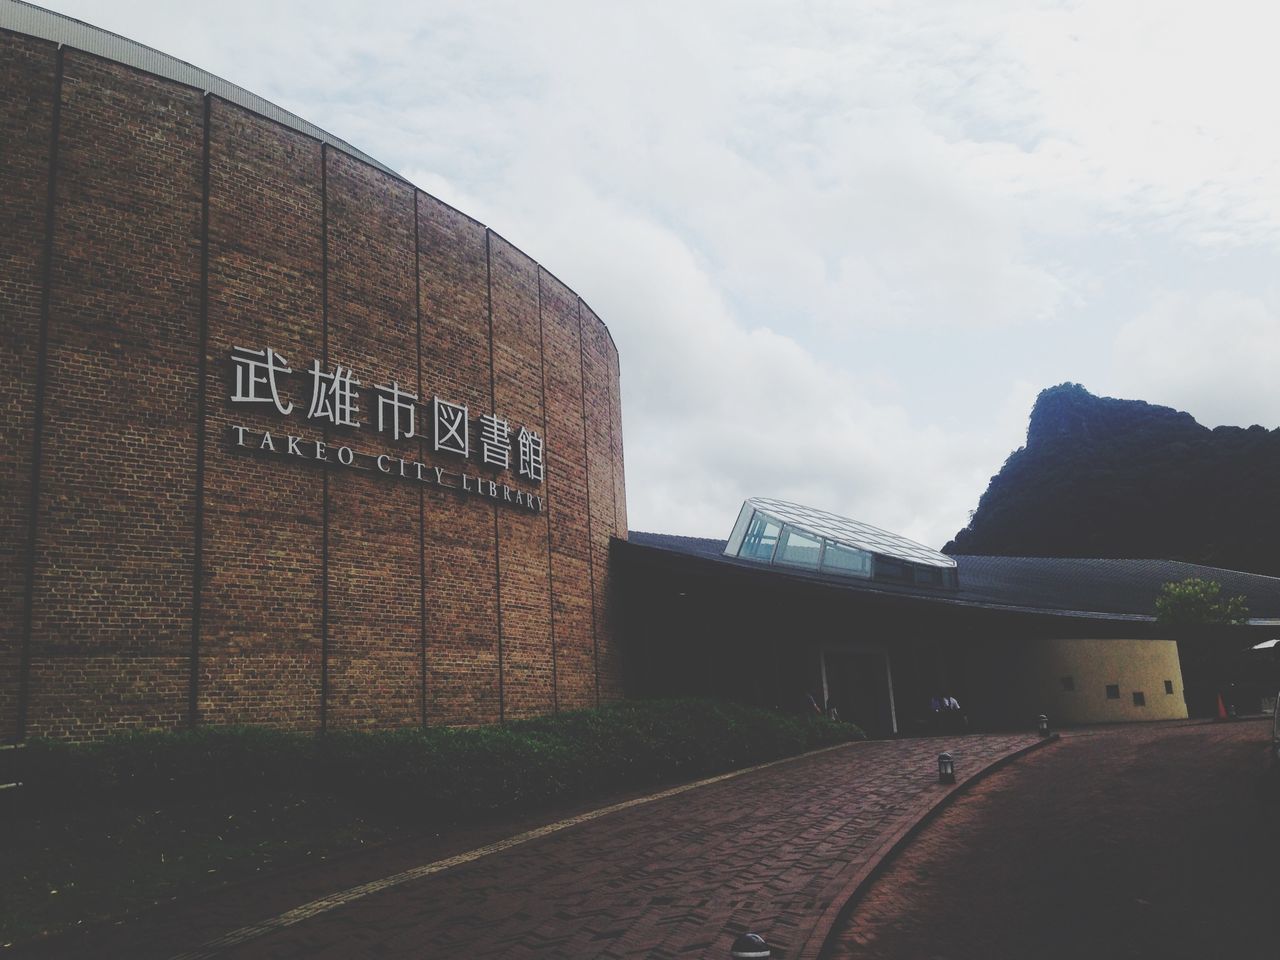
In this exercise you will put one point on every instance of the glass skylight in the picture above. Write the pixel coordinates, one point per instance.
(788, 534)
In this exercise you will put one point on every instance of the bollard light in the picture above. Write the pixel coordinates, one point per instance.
(946, 768)
(1043, 723)
(750, 945)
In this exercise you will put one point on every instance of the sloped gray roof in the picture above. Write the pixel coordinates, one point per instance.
(1124, 589)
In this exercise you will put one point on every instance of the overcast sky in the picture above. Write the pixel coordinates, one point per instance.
(841, 246)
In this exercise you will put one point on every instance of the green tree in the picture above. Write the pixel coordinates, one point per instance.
(1200, 617)
(1198, 603)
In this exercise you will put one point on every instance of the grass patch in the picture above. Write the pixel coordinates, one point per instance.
(101, 830)
(65, 869)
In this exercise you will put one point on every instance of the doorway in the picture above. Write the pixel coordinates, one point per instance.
(859, 684)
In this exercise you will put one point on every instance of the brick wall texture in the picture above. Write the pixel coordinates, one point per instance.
(158, 568)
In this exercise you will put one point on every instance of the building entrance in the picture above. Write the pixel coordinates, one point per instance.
(857, 683)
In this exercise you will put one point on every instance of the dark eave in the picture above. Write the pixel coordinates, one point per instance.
(1090, 589)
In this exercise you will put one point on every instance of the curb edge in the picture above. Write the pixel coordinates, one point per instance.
(819, 942)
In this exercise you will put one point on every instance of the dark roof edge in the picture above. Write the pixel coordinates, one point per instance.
(1002, 556)
(18, 16)
(800, 576)
(1184, 563)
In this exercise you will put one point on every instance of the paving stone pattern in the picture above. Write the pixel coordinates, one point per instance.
(1146, 840)
(771, 852)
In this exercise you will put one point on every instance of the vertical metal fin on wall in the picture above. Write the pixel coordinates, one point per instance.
(37, 430)
(197, 573)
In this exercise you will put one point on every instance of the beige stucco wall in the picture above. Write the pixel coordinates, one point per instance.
(1135, 665)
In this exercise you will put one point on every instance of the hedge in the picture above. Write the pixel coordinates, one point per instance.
(451, 772)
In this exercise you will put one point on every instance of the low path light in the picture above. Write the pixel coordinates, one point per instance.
(1043, 724)
(946, 768)
(750, 945)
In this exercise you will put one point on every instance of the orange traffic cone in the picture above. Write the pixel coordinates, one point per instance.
(1222, 709)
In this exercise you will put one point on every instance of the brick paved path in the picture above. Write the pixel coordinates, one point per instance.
(771, 852)
(1138, 841)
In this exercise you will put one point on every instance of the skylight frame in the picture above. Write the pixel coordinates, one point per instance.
(888, 557)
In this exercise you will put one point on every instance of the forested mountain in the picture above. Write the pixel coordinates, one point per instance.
(1101, 477)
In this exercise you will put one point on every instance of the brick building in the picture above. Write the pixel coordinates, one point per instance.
(286, 440)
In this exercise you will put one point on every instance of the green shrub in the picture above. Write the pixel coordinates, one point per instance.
(144, 768)
(434, 772)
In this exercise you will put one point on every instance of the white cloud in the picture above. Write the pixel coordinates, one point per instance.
(1216, 356)
(819, 232)
(1160, 112)
(715, 412)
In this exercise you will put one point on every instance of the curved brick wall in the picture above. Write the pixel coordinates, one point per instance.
(158, 566)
